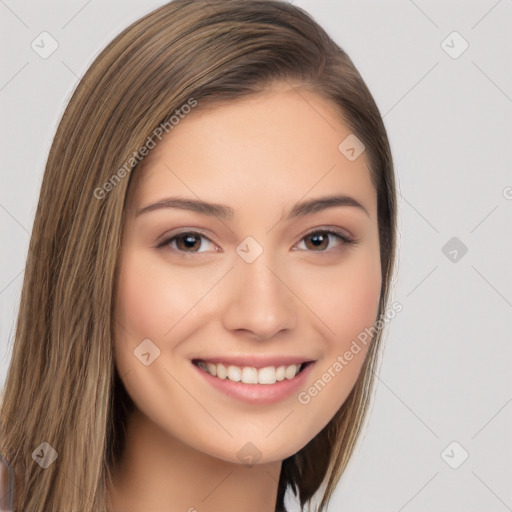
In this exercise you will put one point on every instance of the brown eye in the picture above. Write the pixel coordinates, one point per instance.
(318, 241)
(186, 242)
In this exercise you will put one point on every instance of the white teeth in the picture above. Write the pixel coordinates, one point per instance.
(212, 368)
(250, 375)
(222, 371)
(280, 373)
(234, 373)
(290, 372)
(268, 375)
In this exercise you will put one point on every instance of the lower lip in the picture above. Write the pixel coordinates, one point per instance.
(257, 394)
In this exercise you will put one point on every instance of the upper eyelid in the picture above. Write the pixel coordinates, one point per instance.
(335, 229)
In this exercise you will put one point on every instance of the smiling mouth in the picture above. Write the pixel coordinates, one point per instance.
(251, 375)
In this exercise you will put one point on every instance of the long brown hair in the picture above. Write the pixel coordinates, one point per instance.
(62, 386)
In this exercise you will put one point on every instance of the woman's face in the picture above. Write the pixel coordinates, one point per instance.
(256, 283)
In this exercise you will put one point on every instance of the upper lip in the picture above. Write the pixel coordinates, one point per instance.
(254, 361)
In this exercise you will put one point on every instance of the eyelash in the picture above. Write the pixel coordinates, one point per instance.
(345, 240)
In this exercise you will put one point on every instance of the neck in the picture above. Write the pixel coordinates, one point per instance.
(159, 473)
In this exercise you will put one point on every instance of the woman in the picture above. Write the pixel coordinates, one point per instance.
(208, 271)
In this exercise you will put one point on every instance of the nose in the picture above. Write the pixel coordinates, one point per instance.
(260, 300)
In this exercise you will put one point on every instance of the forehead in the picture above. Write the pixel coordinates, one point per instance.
(278, 145)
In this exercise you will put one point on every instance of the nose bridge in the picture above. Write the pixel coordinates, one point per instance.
(261, 277)
(259, 301)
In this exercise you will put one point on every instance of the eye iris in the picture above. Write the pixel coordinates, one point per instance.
(318, 239)
(189, 240)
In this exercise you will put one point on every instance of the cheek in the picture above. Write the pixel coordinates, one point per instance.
(349, 307)
(151, 301)
(346, 300)
(156, 304)
(356, 306)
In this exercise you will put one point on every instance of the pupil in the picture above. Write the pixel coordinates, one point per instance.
(190, 241)
(317, 240)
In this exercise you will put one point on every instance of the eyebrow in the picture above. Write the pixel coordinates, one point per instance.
(226, 212)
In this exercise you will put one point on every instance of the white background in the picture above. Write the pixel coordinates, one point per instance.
(445, 374)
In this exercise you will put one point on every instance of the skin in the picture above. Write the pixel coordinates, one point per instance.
(260, 156)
